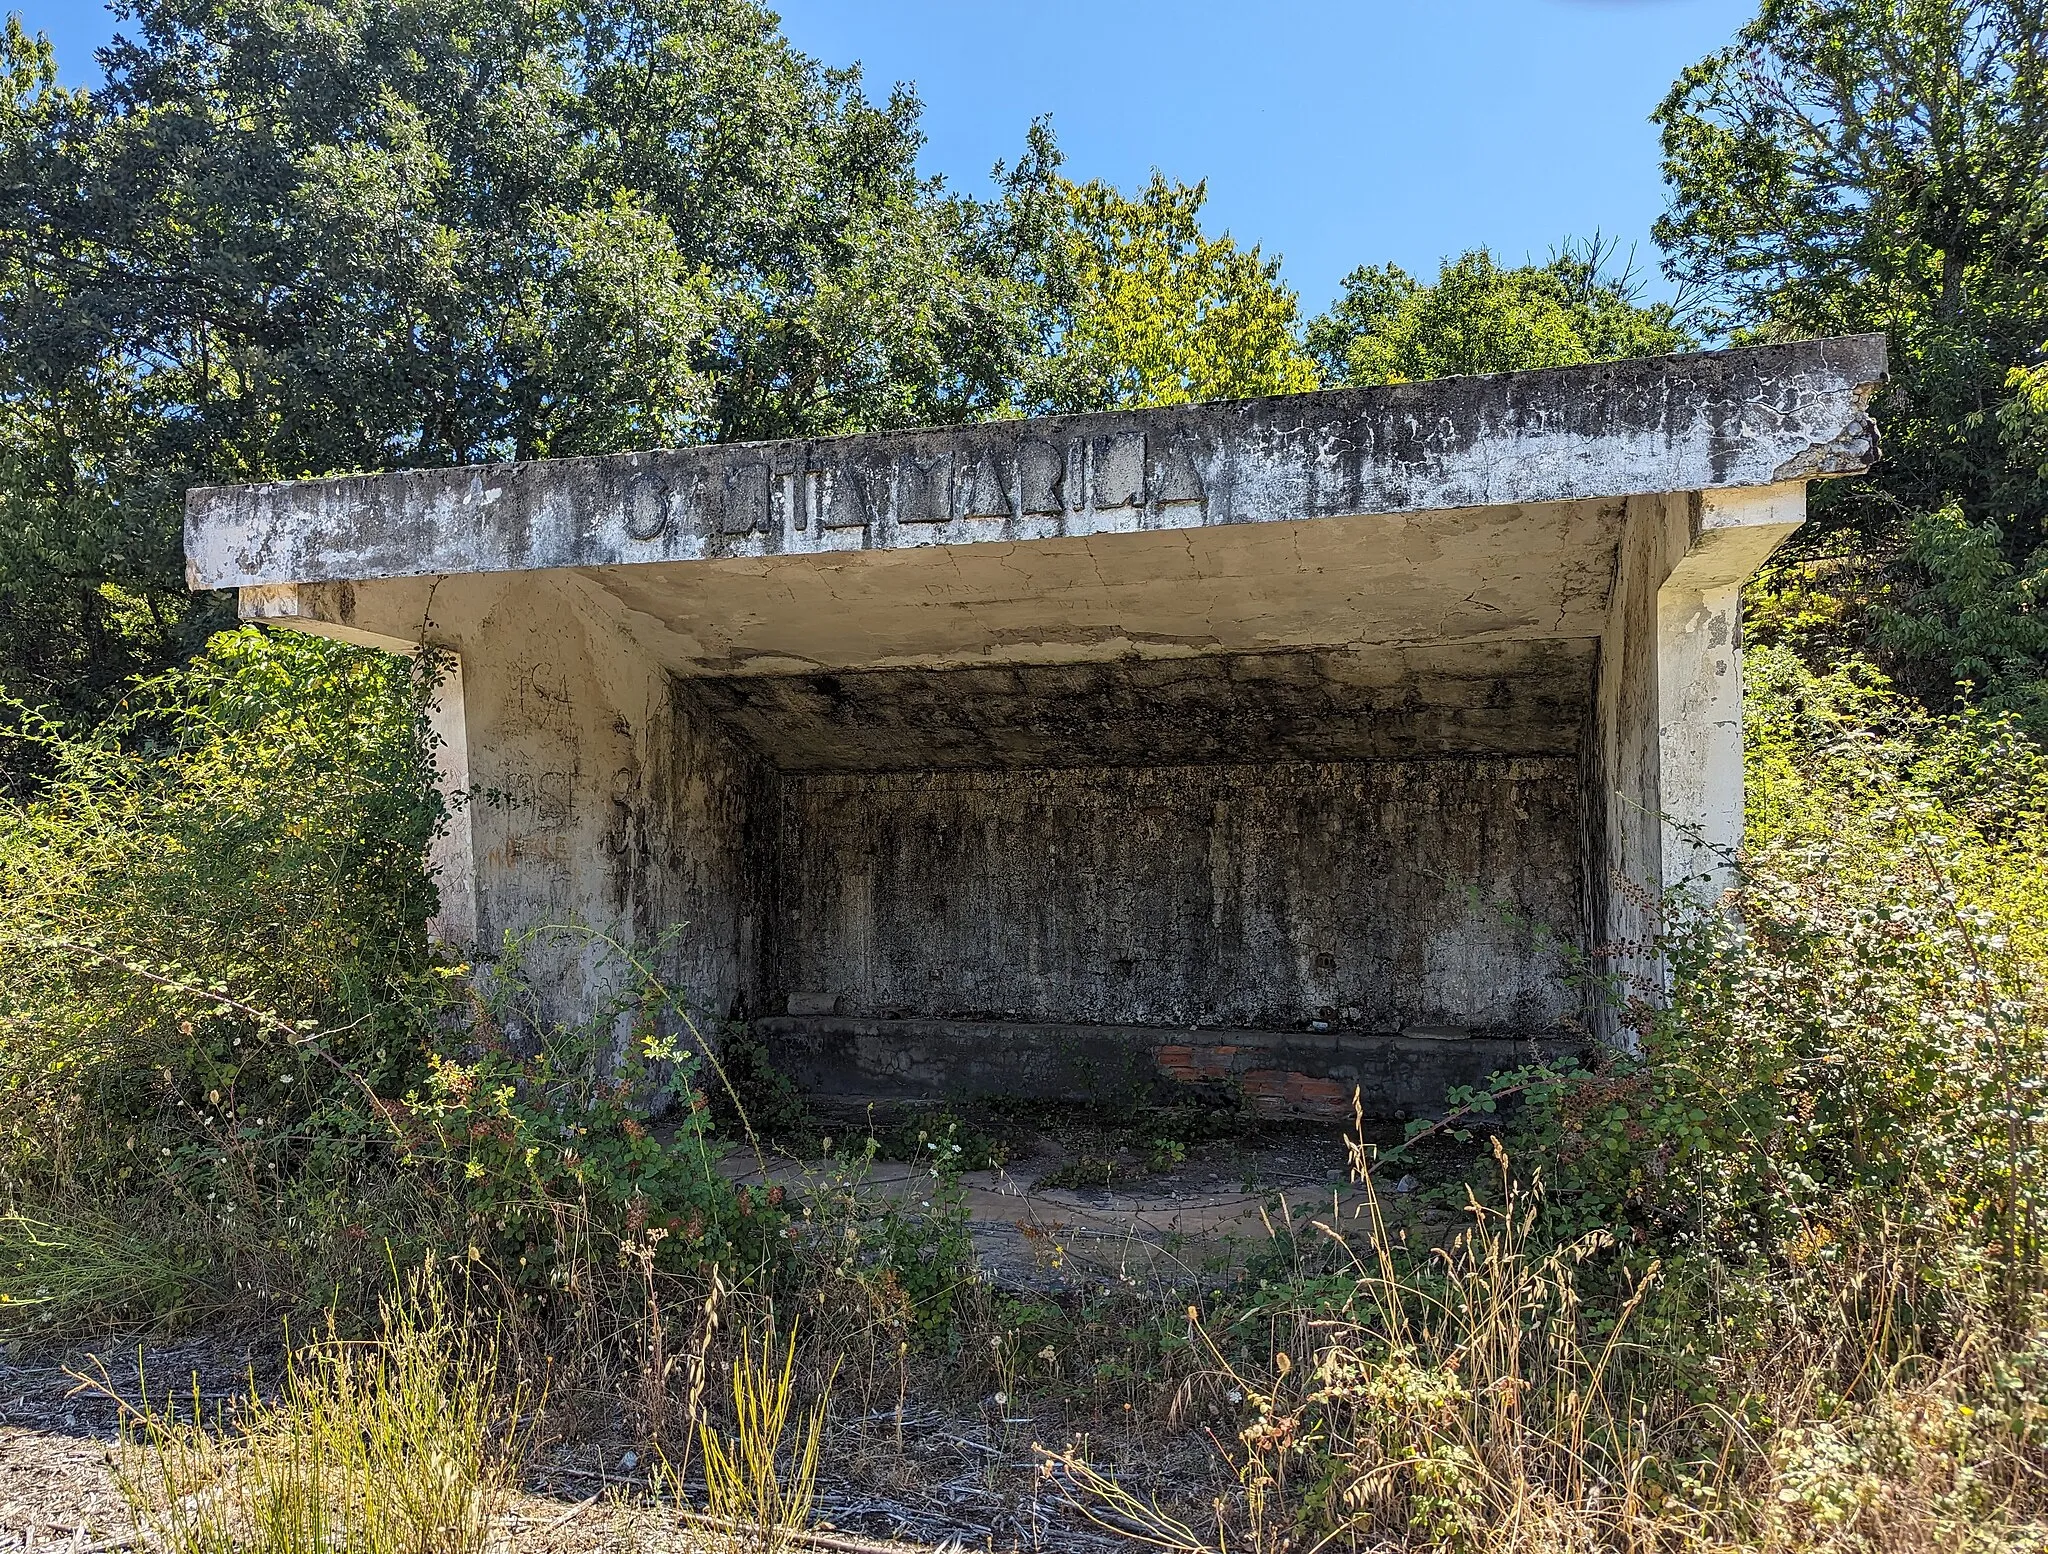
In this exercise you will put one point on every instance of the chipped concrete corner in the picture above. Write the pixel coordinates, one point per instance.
(1267, 752)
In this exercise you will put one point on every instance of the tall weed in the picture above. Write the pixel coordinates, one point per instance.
(762, 1477)
(401, 1445)
(1467, 1398)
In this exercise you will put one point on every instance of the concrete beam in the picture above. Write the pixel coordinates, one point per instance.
(1712, 421)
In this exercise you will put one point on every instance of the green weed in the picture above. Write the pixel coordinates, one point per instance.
(762, 1477)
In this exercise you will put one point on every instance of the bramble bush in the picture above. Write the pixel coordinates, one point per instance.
(551, 1138)
(1857, 1045)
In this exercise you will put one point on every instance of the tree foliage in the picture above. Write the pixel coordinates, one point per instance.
(1143, 308)
(1479, 317)
(289, 239)
(285, 240)
(1883, 165)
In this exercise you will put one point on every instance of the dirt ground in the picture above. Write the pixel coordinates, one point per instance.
(1085, 1205)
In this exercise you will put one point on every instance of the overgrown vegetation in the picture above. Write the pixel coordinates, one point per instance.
(234, 1066)
(1774, 1278)
(215, 913)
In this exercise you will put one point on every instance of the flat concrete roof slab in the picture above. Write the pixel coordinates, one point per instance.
(1707, 421)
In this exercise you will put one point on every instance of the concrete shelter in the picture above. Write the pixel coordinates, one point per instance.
(1274, 748)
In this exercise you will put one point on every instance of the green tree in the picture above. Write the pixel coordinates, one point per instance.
(1854, 165)
(1387, 327)
(1143, 308)
(288, 239)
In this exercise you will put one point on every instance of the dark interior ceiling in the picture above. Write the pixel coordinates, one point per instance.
(1496, 698)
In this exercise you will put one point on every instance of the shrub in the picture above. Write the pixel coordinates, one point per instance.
(554, 1137)
(1854, 1047)
(1975, 618)
(221, 1020)
(212, 917)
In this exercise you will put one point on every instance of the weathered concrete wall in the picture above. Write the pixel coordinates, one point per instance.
(1340, 709)
(1677, 423)
(1371, 896)
(605, 796)
(590, 788)
(696, 859)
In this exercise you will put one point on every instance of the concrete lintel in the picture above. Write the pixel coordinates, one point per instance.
(1705, 422)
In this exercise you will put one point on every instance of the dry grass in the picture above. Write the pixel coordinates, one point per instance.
(1463, 1401)
(1475, 1398)
(404, 1445)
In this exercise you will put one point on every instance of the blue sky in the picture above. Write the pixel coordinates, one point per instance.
(1334, 134)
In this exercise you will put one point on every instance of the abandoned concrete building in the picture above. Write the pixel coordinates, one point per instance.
(1279, 748)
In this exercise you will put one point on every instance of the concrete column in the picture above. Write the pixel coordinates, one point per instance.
(451, 856)
(1699, 677)
(1665, 757)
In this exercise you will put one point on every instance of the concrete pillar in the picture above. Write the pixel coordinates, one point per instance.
(1699, 677)
(1665, 762)
(451, 856)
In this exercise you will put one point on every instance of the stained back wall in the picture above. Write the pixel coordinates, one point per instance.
(1373, 895)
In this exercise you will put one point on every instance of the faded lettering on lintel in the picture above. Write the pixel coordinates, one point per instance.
(804, 492)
